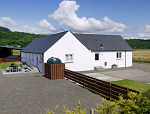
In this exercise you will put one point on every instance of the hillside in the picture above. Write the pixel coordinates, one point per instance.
(139, 44)
(7, 37)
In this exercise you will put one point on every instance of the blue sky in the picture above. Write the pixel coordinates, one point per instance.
(130, 18)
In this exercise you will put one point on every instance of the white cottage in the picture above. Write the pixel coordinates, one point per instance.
(79, 52)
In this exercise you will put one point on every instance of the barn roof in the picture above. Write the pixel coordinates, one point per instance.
(93, 42)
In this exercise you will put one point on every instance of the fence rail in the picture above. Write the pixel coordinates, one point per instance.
(9, 60)
(106, 89)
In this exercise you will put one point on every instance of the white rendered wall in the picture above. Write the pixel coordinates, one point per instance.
(69, 44)
(110, 58)
(129, 58)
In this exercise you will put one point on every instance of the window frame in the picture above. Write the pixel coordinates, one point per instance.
(69, 59)
(118, 55)
(96, 59)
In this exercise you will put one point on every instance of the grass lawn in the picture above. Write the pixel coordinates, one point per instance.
(7, 64)
(16, 52)
(139, 86)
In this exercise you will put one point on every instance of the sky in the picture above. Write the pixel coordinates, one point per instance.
(129, 18)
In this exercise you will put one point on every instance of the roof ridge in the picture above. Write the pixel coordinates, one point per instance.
(95, 34)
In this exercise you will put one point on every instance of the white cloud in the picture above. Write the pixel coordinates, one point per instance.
(45, 25)
(40, 27)
(66, 15)
(144, 32)
(7, 22)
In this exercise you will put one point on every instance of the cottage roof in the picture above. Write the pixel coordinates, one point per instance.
(93, 42)
(41, 45)
(96, 42)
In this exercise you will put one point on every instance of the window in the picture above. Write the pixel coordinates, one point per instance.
(33, 57)
(119, 56)
(96, 56)
(29, 56)
(41, 58)
(69, 57)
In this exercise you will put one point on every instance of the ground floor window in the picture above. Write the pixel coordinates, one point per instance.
(119, 55)
(69, 57)
(96, 56)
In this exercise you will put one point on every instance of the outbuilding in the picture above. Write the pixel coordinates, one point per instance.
(79, 52)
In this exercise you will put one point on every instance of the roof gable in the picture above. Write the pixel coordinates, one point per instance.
(110, 42)
(41, 45)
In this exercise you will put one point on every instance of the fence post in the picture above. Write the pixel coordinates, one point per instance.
(95, 85)
(127, 91)
(67, 74)
(110, 91)
(83, 81)
(75, 77)
(92, 111)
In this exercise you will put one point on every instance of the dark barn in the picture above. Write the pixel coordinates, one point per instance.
(6, 54)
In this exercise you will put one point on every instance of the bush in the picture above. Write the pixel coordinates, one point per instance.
(147, 94)
(66, 110)
(107, 107)
(135, 104)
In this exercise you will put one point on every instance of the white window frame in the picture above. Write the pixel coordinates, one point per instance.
(69, 59)
(118, 55)
(98, 57)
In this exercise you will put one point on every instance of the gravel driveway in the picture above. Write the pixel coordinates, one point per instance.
(28, 93)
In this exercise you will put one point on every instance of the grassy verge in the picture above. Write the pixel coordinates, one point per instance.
(7, 64)
(139, 86)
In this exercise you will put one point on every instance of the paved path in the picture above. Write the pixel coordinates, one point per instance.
(29, 93)
(102, 77)
(138, 72)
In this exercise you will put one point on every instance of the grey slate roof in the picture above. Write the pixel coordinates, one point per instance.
(109, 42)
(90, 41)
(41, 45)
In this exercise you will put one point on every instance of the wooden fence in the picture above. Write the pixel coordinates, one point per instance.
(54, 71)
(9, 60)
(106, 89)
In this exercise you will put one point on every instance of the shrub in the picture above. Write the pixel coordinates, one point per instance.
(147, 94)
(107, 107)
(66, 110)
(135, 104)
(76, 110)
